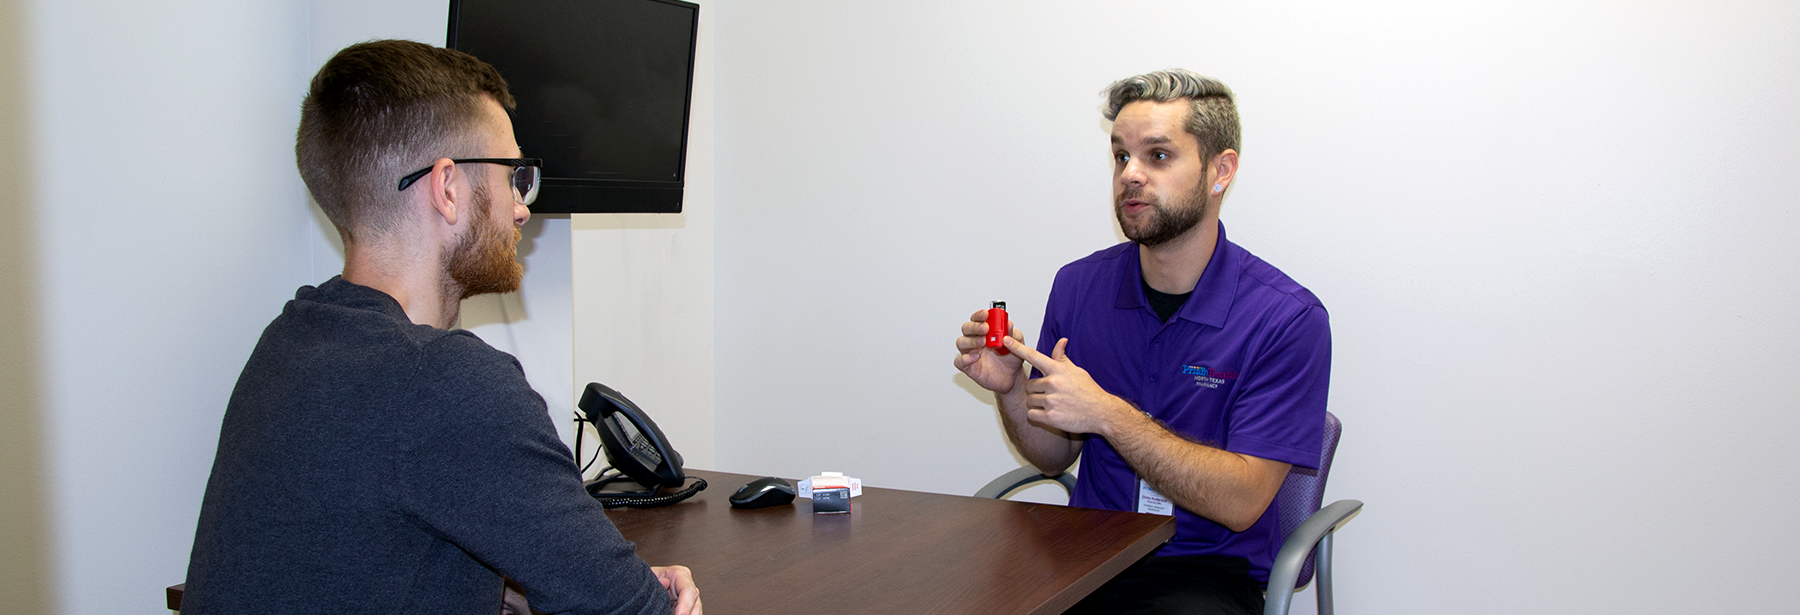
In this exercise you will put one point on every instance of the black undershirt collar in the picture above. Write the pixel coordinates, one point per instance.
(1163, 303)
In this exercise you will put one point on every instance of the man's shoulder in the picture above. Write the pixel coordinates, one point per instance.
(1104, 257)
(1261, 280)
(339, 334)
(460, 350)
(1105, 262)
(356, 312)
(472, 382)
(349, 312)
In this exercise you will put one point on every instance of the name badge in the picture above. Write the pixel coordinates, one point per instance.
(1151, 502)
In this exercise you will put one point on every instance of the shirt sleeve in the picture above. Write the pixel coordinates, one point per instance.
(493, 478)
(1281, 413)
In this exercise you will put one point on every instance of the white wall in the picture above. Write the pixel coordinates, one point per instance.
(643, 292)
(170, 228)
(1555, 238)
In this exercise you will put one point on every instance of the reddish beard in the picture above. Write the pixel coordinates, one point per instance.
(484, 260)
(1164, 223)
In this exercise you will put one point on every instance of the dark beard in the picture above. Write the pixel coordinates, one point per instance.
(1165, 223)
(484, 260)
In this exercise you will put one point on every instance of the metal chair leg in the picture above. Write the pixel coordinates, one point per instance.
(1322, 574)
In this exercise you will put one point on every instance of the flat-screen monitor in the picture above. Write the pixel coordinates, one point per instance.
(603, 89)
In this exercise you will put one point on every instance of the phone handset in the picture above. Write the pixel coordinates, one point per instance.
(634, 446)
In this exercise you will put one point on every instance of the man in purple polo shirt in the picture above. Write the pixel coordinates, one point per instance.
(1186, 373)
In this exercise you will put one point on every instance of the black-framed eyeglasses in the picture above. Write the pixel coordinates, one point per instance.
(525, 175)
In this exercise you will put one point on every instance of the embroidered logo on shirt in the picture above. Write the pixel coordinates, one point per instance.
(1208, 377)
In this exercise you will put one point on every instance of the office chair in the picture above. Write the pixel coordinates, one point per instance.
(1010, 482)
(1307, 526)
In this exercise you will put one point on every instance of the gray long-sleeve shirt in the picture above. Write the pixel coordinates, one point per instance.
(370, 465)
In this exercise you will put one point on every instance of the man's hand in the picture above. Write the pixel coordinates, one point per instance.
(988, 369)
(1066, 397)
(680, 583)
(513, 602)
(1232, 489)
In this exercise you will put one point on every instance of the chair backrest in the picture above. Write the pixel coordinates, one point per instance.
(1304, 491)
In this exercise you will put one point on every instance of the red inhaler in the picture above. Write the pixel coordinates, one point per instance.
(997, 328)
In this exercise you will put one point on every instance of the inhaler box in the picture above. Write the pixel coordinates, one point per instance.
(830, 492)
(831, 500)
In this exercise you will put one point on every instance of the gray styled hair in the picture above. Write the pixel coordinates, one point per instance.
(1212, 114)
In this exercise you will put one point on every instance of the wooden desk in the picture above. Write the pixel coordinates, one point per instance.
(896, 552)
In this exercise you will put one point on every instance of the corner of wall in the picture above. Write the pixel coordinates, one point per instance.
(25, 570)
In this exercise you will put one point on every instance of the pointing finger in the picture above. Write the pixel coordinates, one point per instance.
(1030, 355)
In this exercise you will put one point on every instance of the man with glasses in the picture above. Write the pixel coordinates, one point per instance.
(371, 458)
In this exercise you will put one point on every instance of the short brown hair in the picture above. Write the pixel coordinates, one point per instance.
(1212, 114)
(379, 110)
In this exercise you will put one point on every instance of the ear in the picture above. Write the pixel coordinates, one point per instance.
(1222, 170)
(446, 189)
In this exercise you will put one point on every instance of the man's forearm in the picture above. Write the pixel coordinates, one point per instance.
(1229, 488)
(1049, 449)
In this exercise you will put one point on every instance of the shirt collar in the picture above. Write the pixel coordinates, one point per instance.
(341, 292)
(1211, 301)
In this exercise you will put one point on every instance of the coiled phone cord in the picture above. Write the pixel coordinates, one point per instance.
(641, 500)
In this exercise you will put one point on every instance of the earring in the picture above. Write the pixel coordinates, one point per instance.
(1218, 187)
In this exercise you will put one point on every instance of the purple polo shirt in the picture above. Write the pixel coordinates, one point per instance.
(1243, 366)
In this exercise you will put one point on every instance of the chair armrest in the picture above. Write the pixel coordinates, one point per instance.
(1017, 479)
(1298, 546)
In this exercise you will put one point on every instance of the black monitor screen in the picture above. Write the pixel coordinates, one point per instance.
(602, 89)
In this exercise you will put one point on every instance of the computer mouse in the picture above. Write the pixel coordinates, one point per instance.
(765, 491)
